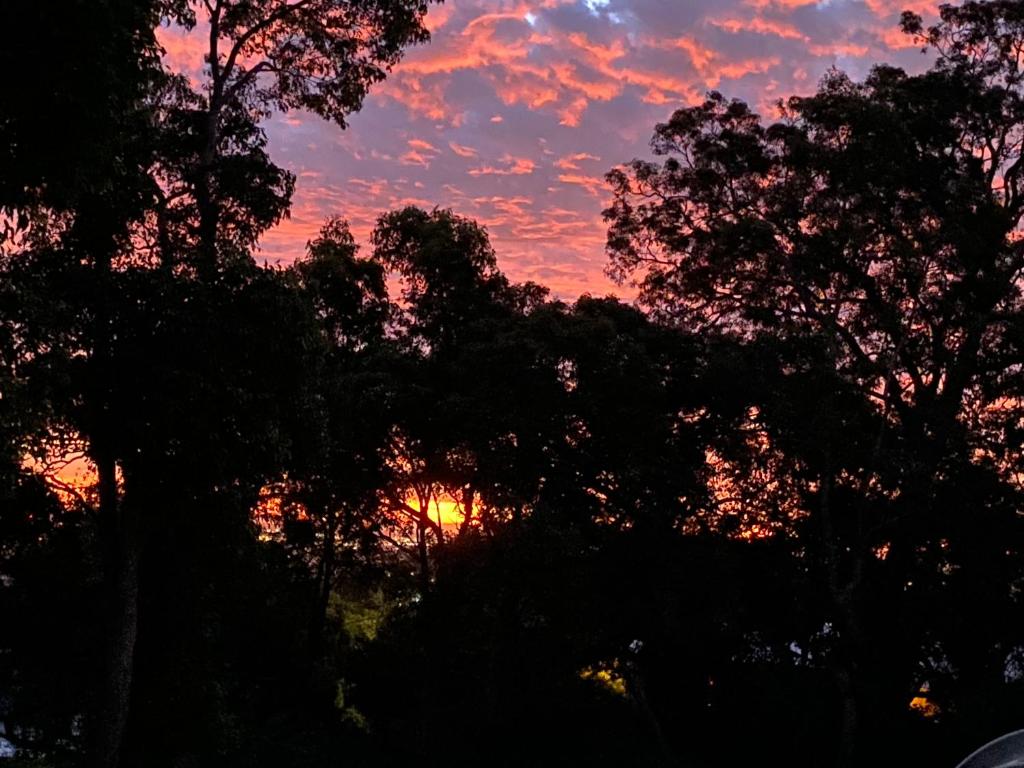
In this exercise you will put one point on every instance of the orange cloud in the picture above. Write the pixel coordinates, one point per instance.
(839, 49)
(182, 51)
(737, 69)
(438, 16)
(760, 26)
(894, 38)
(892, 7)
(781, 4)
(569, 162)
(418, 95)
(571, 86)
(423, 146)
(700, 55)
(513, 166)
(462, 150)
(572, 113)
(415, 158)
(595, 185)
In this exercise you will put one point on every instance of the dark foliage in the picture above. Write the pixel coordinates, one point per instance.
(769, 516)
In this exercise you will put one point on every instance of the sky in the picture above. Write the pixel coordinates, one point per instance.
(516, 109)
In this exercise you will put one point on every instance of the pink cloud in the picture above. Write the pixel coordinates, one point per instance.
(595, 185)
(462, 150)
(760, 26)
(571, 162)
(422, 146)
(511, 166)
(513, 118)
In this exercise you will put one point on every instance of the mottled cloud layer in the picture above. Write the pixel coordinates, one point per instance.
(516, 109)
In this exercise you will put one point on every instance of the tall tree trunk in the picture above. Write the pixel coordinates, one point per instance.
(119, 532)
(468, 494)
(849, 723)
(209, 213)
(325, 581)
(845, 662)
(123, 548)
(205, 202)
(422, 527)
(638, 696)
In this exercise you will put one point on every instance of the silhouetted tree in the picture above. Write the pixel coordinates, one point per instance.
(171, 175)
(452, 296)
(780, 502)
(321, 56)
(877, 225)
(338, 468)
(72, 203)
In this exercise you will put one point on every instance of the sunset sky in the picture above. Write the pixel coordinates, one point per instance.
(516, 109)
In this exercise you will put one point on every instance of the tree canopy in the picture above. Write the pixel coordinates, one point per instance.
(385, 504)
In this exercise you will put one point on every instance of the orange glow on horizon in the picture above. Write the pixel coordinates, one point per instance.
(67, 470)
(443, 509)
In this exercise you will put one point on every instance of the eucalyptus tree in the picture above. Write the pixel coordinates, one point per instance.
(337, 469)
(68, 200)
(320, 56)
(454, 303)
(113, 227)
(871, 238)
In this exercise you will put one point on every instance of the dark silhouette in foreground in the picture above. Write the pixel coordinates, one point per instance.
(386, 505)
